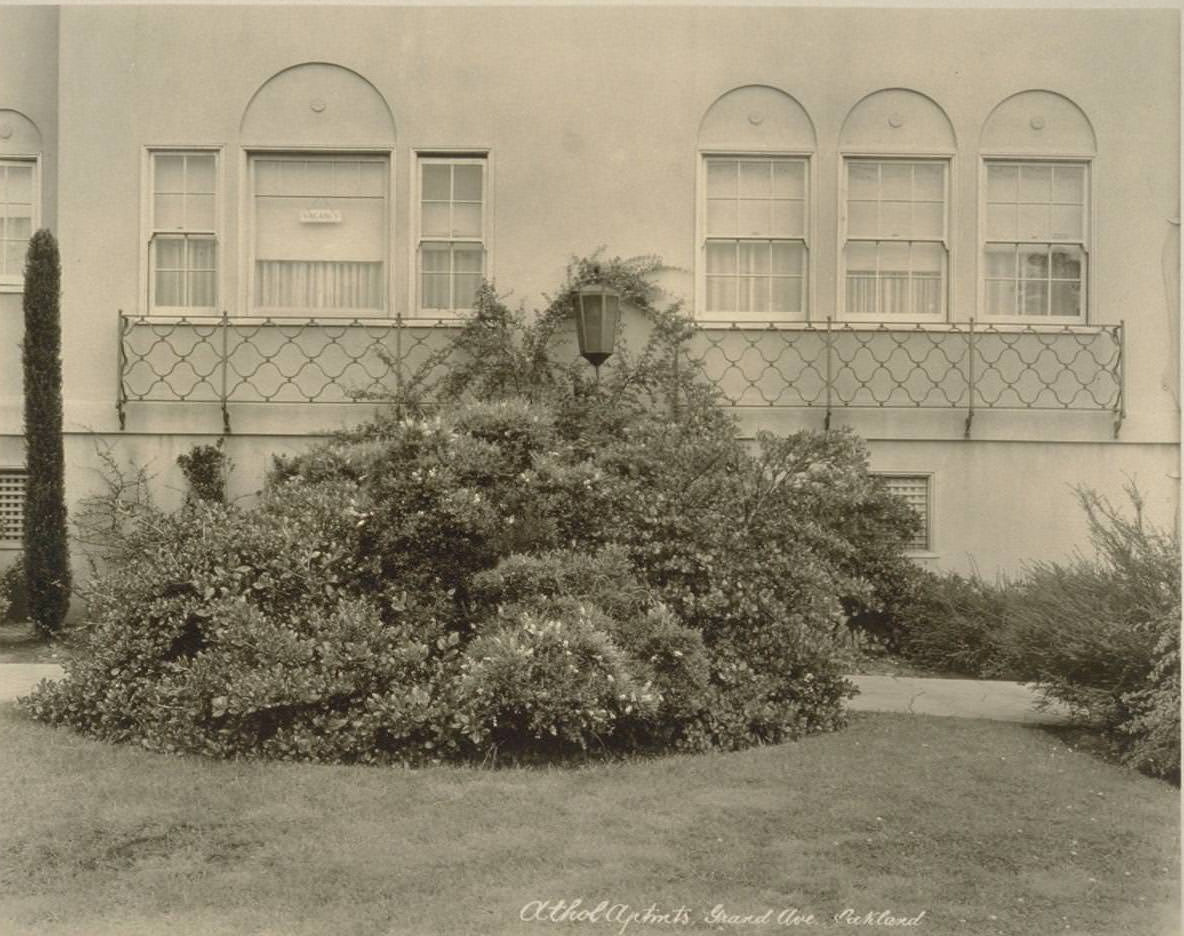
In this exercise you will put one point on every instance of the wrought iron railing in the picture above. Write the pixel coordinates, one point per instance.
(828, 365)
(964, 366)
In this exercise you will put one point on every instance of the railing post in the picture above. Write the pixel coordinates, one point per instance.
(969, 379)
(1120, 403)
(120, 391)
(399, 358)
(225, 367)
(826, 422)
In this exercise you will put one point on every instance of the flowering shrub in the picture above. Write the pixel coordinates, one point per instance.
(533, 567)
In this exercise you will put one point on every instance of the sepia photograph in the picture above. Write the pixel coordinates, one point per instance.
(590, 469)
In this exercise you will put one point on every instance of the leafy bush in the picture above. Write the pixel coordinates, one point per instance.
(956, 624)
(533, 567)
(12, 592)
(205, 468)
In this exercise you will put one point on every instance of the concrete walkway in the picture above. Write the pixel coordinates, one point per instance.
(992, 699)
(955, 698)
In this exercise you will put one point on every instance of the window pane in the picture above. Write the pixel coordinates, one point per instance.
(787, 297)
(721, 294)
(199, 212)
(927, 258)
(789, 178)
(168, 289)
(755, 218)
(929, 182)
(466, 220)
(466, 291)
(1001, 298)
(721, 258)
(346, 178)
(789, 258)
(170, 253)
(895, 219)
(721, 216)
(894, 257)
(1034, 222)
(201, 254)
(435, 258)
(1035, 183)
(468, 260)
(861, 257)
(754, 258)
(437, 182)
(201, 290)
(435, 291)
(466, 181)
(14, 257)
(1003, 183)
(929, 221)
(862, 219)
(1002, 222)
(721, 178)
(20, 225)
(897, 181)
(1067, 263)
(20, 185)
(1066, 299)
(789, 219)
(170, 213)
(1035, 298)
(1068, 184)
(170, 174)
(372, 179)
(435, 220)
(1067, 223)
(756, 179)
(1001, 261)
(268, 177)
(199, 175)
(863, 179)
(318, 178)
(1033, 263)
(754, 292)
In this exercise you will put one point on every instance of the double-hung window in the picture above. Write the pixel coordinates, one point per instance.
(895, 252)
(183, 239)
(1036, 239)
(18, 218)
(452, 238)
(319, 236)
(755, 237)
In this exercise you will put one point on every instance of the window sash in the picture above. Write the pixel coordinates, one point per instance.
(895, 262)
(184, 271)
(183, 213)
(756, 279)
(1035, 248)
(451, 242)
(18, 216)
(319, 233)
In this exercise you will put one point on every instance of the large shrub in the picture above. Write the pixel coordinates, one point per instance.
(531, 566)
(46, 546)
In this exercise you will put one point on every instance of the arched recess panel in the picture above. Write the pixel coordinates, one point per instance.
(1040, 123)
(317, 104)
(19, 136)
(757, 118)
(897, 120)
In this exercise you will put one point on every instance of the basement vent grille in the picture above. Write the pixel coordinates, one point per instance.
(12, 505)
(914, 491)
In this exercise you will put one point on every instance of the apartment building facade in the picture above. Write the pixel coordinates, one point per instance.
(956, 231)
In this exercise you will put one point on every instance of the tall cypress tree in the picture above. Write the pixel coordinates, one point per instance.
(47, 556)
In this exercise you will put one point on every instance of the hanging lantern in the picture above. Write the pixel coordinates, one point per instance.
(597, 315)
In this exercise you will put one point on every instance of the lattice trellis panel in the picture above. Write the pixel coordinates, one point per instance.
(828, 365)
(12, 504)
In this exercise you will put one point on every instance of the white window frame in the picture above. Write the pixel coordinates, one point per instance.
(15, 282)
(469, 155)
(21, 474)
(702, 232)
(247, 226)
(149, 231)
(1087, 220)
(946, 160)
(928, 551)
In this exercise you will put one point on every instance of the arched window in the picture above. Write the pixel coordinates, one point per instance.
(1037, 148)
(20, 195)
(319, 139)
(896, 148)
(755, 145)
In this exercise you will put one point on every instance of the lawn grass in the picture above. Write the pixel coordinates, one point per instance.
(988, 828)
